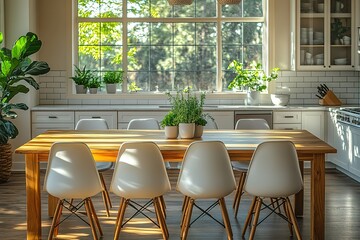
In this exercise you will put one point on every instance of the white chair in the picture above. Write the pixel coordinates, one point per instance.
(140, 173)
(211, 123)
(206, 173)
(144, 124)
(98, 124)
(251, 123)
(274, 172)
(71, 174)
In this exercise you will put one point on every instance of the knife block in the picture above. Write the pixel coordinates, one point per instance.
(330, 99)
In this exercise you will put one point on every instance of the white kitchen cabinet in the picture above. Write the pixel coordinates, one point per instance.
(51, 120)
(124, 117)
(325, 33)
(109, 116)
(354, 164)
(223, 119)
(287, 120)
(314, 122)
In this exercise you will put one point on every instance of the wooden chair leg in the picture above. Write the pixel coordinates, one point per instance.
(55, 219)
(162, 205)
(256, 217)
(95, 217)
(122, 201)
(105, 196)
(186, 224)
(293, 218)
(160, 217)
(91, 219)
(185, 203)
(288, 218)
(225, 216)
(120, 218)
(240, 192)
(248, 217)
(56, 230)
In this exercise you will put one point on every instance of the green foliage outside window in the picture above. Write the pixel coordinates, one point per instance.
(170, 55)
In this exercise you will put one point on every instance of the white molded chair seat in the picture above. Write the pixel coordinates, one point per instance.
(144, 124)
(98, 124)
(71, 174)
(206, 173)
(246, 123)
(140, 173)
(274, 172)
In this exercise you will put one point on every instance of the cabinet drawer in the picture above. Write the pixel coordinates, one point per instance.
(52, 117)
(38, 128)
(287, 126)
(109, 116)
(124, 117)
(287, 117)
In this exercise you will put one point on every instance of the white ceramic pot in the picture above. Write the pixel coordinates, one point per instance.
(111, 88)
(198, 131)
(253, 98)
(171, 132)
(93, 90)
(80, 89)
(186, 130)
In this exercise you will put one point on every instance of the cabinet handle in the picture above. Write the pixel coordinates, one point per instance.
(288, 128)
(288, 116)
(95, 117)
(53, 117)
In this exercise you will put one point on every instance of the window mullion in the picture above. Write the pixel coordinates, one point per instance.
(124, 46)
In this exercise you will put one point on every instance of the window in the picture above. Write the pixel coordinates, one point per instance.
(167, 48)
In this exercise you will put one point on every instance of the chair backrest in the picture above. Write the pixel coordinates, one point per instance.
(211, 123)
(92, 124)
(206, 171)
(144, 123)
(139, 171)
(252, 123)
(274, 170)
(71, 171)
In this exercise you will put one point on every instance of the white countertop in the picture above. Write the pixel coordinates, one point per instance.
(130, 107)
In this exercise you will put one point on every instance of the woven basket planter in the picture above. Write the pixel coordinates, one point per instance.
(224, 2)
(180, 2)
(5, 162)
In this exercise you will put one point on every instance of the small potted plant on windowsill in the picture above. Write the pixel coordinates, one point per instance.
(170, 125)
(254, 80)
(112, 79)
(94, 84)
(81, 79)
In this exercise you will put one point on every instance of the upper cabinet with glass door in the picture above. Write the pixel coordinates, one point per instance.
(324, 35)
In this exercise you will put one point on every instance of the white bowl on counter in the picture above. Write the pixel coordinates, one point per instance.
(280, 99)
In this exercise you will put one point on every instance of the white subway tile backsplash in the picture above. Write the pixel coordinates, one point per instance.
(345, 84)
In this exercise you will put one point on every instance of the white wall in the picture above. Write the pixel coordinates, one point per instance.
(20, 18)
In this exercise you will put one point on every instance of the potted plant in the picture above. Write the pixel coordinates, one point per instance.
(199, 125)
(254, 80)
(188, 108)
(170, 125)
(94, 84)
(81, 79)
(15, 67)
(112, 79)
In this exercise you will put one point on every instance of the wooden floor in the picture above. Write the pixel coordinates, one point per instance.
(342, 215)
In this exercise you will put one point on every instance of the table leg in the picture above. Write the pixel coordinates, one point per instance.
(318, 197)
(33, 202)
(299, 197)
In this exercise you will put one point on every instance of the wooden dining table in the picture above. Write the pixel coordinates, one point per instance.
(240, 144)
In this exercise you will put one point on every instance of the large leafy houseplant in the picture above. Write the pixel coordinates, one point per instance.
(16, 68)
(253, 79)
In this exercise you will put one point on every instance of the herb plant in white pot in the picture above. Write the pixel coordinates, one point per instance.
(254, 80)
(170, 125)
(81, 79)
(112, 79)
